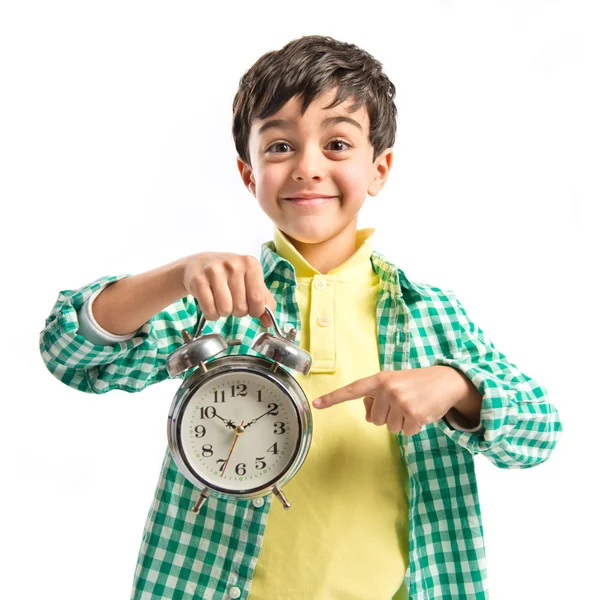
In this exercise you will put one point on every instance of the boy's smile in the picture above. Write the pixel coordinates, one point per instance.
(311, 174)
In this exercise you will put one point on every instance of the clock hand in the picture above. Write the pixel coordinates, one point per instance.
(237, 435)
(261, 416)
(227, 422)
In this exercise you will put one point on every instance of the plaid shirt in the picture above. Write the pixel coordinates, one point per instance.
(186, 556)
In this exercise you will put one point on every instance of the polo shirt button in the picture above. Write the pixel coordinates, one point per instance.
(320, 284)
(323, 321)
(235, 592)
(258, 502)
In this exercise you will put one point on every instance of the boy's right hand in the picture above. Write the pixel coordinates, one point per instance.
(225, 284)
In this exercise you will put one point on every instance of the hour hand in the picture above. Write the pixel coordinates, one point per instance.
(230, 424)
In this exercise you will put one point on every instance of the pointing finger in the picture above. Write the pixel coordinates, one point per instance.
(366, 386)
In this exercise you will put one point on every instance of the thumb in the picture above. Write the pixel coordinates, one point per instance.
(265, 320)
(368, 400)
(272, 304)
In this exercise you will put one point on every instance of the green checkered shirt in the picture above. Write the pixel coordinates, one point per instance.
(185, 556)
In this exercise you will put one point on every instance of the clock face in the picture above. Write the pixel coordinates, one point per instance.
(239, 431)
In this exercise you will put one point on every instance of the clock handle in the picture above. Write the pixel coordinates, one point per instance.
(200, 327)
(291, 334)
(202, 323)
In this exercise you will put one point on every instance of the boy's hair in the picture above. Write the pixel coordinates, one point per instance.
(307, 67)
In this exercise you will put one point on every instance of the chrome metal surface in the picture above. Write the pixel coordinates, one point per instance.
(259, 366)
(282, 351)
(195, 352)
(279, 494)
(201, 500)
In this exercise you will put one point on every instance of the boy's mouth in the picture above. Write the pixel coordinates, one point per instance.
(310, 201)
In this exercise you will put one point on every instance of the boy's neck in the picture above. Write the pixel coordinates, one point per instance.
(328, 254)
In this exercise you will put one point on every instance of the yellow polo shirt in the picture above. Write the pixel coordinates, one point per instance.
(346, 535)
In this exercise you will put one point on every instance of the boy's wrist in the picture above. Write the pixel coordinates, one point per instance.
(177, 269)
(468, 402)
(124, 306)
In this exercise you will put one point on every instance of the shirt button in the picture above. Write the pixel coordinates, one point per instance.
(235, 592)
(258, 502)
(323, 321)
(320, 284)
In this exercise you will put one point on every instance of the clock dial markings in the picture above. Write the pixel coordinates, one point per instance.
(270, 428)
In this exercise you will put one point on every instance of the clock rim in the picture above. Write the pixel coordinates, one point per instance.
(258, 366)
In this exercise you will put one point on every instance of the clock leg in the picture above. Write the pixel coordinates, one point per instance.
(203, 496)
(279, 494)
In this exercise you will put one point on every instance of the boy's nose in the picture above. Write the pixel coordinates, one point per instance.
(310, 164)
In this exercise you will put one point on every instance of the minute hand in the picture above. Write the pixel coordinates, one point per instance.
(261, 416)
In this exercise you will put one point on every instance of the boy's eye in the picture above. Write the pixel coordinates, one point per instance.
(276, 144)
(340, 142)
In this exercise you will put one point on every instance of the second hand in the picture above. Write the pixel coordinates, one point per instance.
(237, 435)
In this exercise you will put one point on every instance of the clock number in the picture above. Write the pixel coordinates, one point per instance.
(207, 450)
(200, 431)
(207, 412)
(243, 392)
(221, 460)
(222, 393)
(260, 463)
(273, 409)
(240, 469)
(279, 428)
(260, 395)
(273, 449)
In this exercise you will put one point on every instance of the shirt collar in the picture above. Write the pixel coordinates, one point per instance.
(392, 279)
(358, 265)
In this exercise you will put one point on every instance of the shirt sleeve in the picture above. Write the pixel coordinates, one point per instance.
(453, 418)
(91, 331)
(131, 364)
(519, 426)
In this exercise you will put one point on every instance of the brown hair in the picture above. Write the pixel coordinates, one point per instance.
(307, 67)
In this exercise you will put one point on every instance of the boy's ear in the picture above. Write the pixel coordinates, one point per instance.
(381, 171)
(247, 176)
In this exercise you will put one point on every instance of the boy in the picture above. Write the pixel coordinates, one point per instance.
(386, 501)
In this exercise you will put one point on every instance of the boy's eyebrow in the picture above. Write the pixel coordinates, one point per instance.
(285, 124)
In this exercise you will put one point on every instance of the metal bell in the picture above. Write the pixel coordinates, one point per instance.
(196, 350)
(282, 349)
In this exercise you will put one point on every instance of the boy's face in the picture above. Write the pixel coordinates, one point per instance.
(307, 155)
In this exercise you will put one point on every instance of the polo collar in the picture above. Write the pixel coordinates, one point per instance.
(392, 279)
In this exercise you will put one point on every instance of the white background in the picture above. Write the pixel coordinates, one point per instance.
(116, 156)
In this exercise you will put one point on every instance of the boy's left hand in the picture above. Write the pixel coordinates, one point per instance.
(408, 400)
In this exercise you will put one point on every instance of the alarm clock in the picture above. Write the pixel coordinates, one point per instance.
(240, 425)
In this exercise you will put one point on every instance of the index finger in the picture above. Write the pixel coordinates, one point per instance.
(357, 389)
